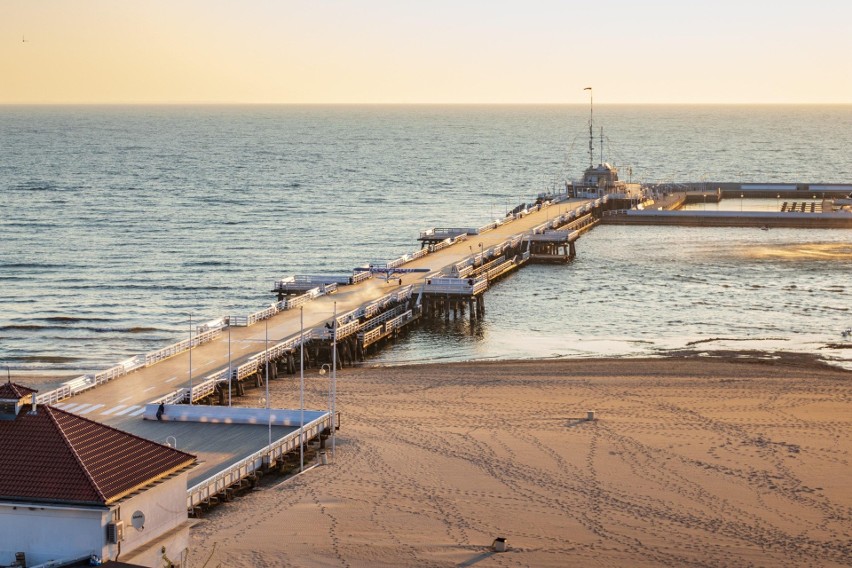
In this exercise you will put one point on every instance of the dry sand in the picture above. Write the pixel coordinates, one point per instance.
(690, 462)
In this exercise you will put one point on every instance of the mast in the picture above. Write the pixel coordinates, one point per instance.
(602, 145)
(591, 128)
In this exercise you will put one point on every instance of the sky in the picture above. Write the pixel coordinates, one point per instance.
(425, 51)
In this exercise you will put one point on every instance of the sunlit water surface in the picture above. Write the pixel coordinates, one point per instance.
(120, 221)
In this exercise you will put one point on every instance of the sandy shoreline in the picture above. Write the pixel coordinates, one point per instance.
(719, 461)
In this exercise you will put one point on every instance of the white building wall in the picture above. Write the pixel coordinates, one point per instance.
(47, 533)
(163, 508)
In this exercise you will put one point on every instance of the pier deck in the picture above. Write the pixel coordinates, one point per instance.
(121, 401)
(760, 219)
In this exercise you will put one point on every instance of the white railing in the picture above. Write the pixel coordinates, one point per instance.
(80, 384)
(447, 242)
(181, 346)
(446, 232)
(398, 321)
(370, 324)
(361, 276)
(456, 286)
(488, 266)
(202, 492)
(262, 314)
(551, 236)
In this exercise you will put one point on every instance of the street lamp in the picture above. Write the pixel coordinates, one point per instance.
(266, 380)
(302, 388)
(325, 368)
(332, 387)
(229, 361)
(190, 359)
(741, 201)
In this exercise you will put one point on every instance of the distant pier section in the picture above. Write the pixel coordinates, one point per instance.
(797, 205)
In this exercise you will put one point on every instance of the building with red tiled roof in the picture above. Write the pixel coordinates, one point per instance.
(71, 487)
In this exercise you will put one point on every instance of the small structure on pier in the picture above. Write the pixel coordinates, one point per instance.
(72, 487)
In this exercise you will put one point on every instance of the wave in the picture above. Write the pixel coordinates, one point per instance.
(39, 265)
(69, 319)
(42, 359)
(35, 327)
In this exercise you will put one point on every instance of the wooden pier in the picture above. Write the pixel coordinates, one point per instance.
(346, 315)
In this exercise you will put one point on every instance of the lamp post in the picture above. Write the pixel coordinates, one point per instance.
(778, 202)
(302, 388)
(741, 201)
(325, 368)
(190, 359)
(333, 380)
(229, 362)
(266, 380)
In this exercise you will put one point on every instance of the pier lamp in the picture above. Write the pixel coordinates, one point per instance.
(778, 202)
(190, 359)
(326, 368)
(741, 201)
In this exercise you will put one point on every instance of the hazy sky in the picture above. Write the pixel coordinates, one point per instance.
(429, 51)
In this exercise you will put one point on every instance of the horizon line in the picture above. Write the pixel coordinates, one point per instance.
(243, 103)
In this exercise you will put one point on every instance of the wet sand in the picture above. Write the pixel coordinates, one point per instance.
(726, 461)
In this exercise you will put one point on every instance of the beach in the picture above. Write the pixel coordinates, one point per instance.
(740, 459)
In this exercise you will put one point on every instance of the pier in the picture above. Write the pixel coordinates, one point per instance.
(336, 319)
(181, 393)
(801, 206)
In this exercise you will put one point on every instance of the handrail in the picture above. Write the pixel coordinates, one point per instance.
(200, 492)
(383, 317)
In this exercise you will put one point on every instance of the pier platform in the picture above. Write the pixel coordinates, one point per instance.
(760, 219)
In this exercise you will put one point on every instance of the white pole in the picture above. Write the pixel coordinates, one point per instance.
(266, 380)
(333, 379)
(190, 359)
(302, 387)
(229, 362)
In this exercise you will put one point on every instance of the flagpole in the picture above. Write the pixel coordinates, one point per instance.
(591, 131)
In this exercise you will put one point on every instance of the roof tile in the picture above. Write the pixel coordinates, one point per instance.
(57, 456)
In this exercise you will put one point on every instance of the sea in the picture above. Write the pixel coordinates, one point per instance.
(119, 223)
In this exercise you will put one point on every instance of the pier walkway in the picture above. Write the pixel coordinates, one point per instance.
(119, 396)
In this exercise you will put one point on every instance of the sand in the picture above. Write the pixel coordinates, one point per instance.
(689, 462)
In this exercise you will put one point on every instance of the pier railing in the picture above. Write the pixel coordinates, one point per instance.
(208, 489)
(208, 332)
(456, 286)
(441, 233)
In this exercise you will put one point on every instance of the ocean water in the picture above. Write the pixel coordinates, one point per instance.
(119, 222)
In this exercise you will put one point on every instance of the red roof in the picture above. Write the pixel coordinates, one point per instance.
(56, 456)
(10, 391)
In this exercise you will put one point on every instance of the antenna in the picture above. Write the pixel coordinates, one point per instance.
(591, 131)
